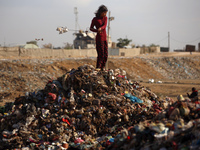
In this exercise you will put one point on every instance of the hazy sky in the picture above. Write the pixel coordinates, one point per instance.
(143, 21)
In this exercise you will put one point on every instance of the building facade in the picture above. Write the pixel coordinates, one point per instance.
(199, 47)
(87, 41)
(84, 41)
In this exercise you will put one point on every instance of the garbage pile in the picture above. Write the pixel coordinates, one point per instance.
(87, 108)
(176, 67)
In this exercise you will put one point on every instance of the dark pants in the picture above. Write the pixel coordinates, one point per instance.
(102, 52)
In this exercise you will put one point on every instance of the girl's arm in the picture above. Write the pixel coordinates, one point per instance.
(105, 24)
(92, 27)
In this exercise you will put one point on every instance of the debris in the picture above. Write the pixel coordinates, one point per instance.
(89, 108)
(151, 80)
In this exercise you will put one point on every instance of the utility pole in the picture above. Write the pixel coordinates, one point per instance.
(108, 25)
(169, 41)
(4, 42)
(76, 18)
(108, 32)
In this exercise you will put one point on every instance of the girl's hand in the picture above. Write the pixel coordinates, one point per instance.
(99, 30)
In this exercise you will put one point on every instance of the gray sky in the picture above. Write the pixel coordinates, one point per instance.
(143, 21)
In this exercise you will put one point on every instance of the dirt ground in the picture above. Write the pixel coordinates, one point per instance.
(176, 73)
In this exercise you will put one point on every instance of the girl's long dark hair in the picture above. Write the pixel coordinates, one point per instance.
(101, 9)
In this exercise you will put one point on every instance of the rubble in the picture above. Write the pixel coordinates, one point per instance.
(175, 67)
(91, 109)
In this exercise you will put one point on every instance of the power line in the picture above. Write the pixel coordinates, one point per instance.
(186, 42)
(157, 42)
(161, 40)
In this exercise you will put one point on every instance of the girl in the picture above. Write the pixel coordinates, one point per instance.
(100, 23)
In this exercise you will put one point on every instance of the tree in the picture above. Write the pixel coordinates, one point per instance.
(123, 42)
(32, 42)
(153, 45)
(68, 46)
(47, 46)
(143, 45)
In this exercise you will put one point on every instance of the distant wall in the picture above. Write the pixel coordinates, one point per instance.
(61, 53)
(137, 51)
(16, 51)
(145, 50)
(129, 52)
(9, 51)
(113, 51)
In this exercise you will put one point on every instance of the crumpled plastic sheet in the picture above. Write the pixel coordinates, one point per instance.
(91, 109)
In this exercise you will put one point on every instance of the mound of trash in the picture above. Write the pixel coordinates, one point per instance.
(87, 108)
(176, 67)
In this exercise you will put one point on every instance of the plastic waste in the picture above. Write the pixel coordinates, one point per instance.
(85, 109)
(133, 98)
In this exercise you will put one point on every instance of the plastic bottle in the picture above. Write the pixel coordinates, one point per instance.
(72, 100)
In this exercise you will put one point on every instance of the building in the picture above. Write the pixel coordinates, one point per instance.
(164, 49)
(29, 46)
(84, 41)
(190, 48)
(87, 41)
